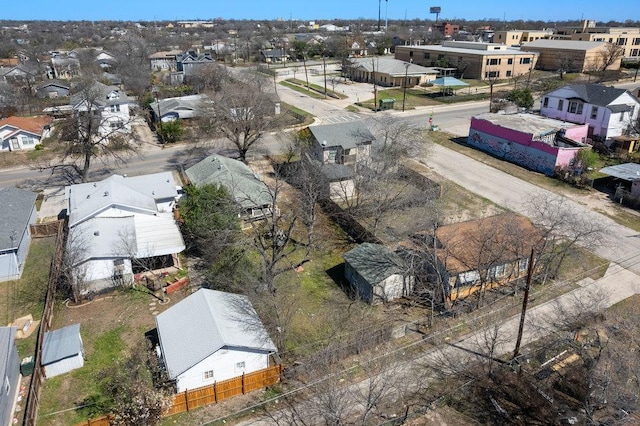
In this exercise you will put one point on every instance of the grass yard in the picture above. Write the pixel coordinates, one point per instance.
(110, 327)
(25, 296)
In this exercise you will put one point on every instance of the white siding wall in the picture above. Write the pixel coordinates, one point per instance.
(394, 287)
(223, 363)
(102, 269)
(342, 190)
(63, 366)
(9, 266)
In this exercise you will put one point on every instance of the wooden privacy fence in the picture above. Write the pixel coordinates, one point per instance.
(194, 398)
(207, 395)
(41, 230)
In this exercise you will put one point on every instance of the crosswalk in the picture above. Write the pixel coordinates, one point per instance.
(341, 117)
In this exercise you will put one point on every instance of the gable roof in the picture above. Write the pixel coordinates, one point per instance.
(35, 124)
(140, 192)
(184, 106)
(594, 94)
(16, 206)
(626, 171)
(205, 322)
(61, 343)
(485, 242)
(244, 185)
(348, 135)
(100, 95)
(374, 262)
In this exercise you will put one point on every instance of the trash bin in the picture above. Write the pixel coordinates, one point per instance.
(26, 366)
(385, 104)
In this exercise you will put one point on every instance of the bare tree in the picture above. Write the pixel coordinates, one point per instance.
(241, 113)
(610, 55)
(74, 268)
(90, 134)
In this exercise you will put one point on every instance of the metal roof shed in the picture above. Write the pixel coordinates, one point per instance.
(62, 351)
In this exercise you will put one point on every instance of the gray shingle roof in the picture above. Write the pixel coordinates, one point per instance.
(15, 211)
(348, 135)
(98, 94)
(243, 184)
(596, 94)
(374, 262)
(61, 343)
(183, 106)
(204, 323)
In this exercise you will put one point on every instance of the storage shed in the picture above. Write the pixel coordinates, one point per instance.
(62, 351)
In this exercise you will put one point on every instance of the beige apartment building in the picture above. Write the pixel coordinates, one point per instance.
(627, 37)
(517, 37)
(473, 60)
(570, 55)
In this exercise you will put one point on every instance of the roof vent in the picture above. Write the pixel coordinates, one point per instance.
(324, 143)
(106, 193)
(96, 233)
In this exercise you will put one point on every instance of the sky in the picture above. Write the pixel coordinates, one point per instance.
(318, 10)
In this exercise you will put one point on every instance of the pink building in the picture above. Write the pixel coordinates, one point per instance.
(537, 143)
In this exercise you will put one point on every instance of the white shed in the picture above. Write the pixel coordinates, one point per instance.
(62, 351)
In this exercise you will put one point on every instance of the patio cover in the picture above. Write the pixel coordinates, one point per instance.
(449, 82)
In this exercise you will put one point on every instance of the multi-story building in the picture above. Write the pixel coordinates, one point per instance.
(518, 37)
(627, 37)
(448, 29)
(571, 55)
(473, 60)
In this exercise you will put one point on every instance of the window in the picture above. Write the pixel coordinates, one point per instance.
(508, 73)
(492, 74)
(621, 116)
(117, 124)
(509, 61)
(493, 61)
(427, 55)
(545, 102)
(523, 265)
(575, 107)
(594, 112)
(524, 61)
(114, 108)
(561, 105)
(411, 53)
(240, 366)
(636, 41)
(208, 375)
(622, 41)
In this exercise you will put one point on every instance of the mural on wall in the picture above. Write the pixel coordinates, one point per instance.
(525, 156)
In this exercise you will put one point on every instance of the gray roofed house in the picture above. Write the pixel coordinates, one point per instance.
(109, 101)
(9, 373)
(609, 112)
(182, 107)
(249, 191)
(122, 226)
(212, 336)
(389, 72)
(62, 350)
(377, 273)
(52, 89)
(629, 173)
(17, 213)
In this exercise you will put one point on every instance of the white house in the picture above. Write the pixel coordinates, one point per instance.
(62, 351)
(608, 111)
(377, 274)
(122, 226)
(23, 133)
(9, 373)
(17, 212)
(109, 102)
(212, 336)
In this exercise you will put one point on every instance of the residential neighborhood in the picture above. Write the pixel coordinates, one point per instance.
(331, 221)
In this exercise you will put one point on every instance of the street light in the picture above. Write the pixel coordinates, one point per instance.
(404, 93)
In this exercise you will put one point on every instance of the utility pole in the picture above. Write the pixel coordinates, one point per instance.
(386, 16)
(404, 92)
(375, 88)
(324, 66)
(524, 306)
(379, 5)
